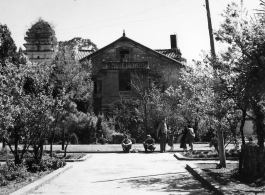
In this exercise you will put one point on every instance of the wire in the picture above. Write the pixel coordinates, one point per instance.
(133, 21)
(220, 3)
(120, 16)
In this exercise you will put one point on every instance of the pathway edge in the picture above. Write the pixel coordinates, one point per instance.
(46, 179)
(207, 180)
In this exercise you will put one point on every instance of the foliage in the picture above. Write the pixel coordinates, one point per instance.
(41, 27)
(43, 165)
(107, 125)
(133, 141)
(241, 66)
(78, 43)
(74, 139)
(7, 45)
(28, 114)
(117, 138)
(102, 140)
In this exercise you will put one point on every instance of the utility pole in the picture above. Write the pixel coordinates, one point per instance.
(219, 131)
(210, 27)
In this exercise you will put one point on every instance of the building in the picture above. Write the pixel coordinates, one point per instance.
(40, 42)
(114, 67)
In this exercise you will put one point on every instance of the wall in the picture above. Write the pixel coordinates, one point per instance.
(110, 78)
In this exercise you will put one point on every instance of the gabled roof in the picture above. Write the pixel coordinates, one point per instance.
(124, 38)
(82, 54)
(171, 53)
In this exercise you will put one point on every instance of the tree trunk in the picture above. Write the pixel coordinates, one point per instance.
(17, 159)
(52, 138)
(221, 148)
(4, 143)
(196, 127)
(260, 133)
(145, 114)
(244, 114)
(240, 167)
(63, 139)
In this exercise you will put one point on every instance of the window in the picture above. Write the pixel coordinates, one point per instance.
(124, 55)
(99, 86)
(124, 82)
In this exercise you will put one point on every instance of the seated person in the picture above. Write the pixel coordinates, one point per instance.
(149, 144)
(126, 144)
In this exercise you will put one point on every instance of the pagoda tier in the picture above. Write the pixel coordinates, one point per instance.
(40, 41)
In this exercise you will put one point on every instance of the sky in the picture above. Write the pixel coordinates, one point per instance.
(149, 22)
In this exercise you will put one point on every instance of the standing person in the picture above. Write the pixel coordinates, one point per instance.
(162, 133)
(190, 136)
(170, 138)
(149, 144)
(126, 144)
(183, 139)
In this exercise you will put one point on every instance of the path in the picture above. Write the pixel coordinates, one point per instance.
(107, 174)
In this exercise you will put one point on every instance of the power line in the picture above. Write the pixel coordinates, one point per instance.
(132, 21)
(120, 16)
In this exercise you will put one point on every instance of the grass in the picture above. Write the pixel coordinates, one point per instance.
(230, 178)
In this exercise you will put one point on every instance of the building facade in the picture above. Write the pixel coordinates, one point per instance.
(114, 68)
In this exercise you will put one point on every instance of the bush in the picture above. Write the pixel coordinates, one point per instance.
(102, 140)
(117, 138)
(133, 141)
(74, 139)
(44, 165)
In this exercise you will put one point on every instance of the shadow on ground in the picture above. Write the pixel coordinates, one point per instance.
(178, 183)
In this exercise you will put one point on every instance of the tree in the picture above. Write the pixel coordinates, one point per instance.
(7, 45)
(27, 116)
(244, 59)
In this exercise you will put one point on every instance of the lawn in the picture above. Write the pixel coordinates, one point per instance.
(229, 178)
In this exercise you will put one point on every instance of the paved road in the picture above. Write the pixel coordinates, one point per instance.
(107, 174)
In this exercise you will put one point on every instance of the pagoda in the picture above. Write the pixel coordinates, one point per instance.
(41, 42)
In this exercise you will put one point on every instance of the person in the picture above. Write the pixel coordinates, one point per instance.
(171, 138)
(149, 144)
(183, 139)
(162, 134)
(126, 144)
(190, 136)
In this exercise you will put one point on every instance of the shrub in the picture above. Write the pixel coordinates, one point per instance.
(44, 165)
(133, 141)
(102, 140)
(3, 181)
(74, 139)
(117, 138)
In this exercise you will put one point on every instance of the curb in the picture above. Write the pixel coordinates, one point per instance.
(181, 157)
(207, 180)
(78, 160)
(37, 184)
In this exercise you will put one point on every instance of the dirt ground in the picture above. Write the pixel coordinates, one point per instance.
(229, 178)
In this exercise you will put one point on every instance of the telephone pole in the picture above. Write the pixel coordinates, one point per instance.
(210, 27)
(219, 131)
